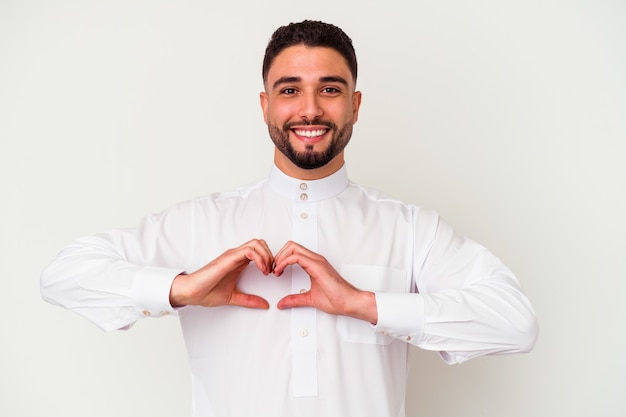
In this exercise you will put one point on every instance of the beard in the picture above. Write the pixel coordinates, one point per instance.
(311, 159)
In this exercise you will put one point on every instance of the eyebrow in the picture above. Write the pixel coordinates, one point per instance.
(327, 79)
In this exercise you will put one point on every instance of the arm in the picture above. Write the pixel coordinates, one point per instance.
(468, 303)
(92, 278)
(117, 277)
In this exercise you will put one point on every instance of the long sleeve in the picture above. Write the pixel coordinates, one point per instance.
(117, 277)
(466, 302)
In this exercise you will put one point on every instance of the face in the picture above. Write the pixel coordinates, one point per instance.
(309, 105)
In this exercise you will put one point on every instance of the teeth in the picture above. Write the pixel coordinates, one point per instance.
(310, 133)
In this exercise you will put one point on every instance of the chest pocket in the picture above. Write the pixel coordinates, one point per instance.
(369, 278)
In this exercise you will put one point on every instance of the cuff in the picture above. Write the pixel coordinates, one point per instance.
(151, 291)
(400, 315)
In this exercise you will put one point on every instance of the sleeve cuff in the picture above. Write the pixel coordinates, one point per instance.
(151, 291)
(400, 315)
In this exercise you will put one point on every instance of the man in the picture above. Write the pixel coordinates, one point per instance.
(301, 295)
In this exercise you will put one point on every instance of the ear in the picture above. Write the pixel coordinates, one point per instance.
(356, 104)
(264, 99)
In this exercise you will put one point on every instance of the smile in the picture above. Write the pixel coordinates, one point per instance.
(310, 133)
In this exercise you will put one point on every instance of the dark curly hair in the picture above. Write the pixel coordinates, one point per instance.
(310, 33)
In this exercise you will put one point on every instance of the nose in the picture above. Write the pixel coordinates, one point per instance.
(310, 108)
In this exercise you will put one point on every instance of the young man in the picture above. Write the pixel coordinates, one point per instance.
(337, 280)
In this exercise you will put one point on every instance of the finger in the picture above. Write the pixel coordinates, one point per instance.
(292, 253)
(266, 247)
(258, 253)
(270, 256)
(280, 252)
(280, 264)
(307, 260)
(287, 249)
(248, 301)
(295, 300)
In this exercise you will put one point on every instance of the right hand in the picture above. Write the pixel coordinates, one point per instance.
(215, 284)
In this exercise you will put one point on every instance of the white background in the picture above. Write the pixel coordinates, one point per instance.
(506, 117)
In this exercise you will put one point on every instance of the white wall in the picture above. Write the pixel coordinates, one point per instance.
(507, 117)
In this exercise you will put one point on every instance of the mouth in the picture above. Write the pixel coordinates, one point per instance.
(310, 135)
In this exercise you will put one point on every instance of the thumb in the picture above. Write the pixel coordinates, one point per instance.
(295, 300)
(248, 301)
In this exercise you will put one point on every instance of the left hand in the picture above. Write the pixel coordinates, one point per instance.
(329, 292)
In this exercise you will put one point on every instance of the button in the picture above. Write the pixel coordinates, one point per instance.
(303, 291)
(408, 338)
(303, 186)
(147, 313)
(303, 333)
(304, 216)
(304, 197)
(165, 313)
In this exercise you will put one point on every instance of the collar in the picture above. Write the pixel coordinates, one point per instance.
(308, 191)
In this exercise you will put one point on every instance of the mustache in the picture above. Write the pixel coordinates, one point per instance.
(318, 122)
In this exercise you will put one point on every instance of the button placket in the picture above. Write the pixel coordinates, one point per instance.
(304, 319)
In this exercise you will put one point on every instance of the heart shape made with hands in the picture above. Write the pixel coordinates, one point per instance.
(329, 291)
(220, 282)
(258, 253)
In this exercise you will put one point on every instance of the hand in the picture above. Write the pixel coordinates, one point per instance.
(215, 284)
(329, 292)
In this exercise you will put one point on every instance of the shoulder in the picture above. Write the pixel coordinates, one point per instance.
(370, 195)
(224, 197)
(211, 201)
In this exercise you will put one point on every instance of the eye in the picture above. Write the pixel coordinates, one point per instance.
(331, 90)
(288, 91)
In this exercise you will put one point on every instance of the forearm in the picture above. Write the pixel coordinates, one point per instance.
(91, 278)
(464, 302)
(461, 323)
(482, 320)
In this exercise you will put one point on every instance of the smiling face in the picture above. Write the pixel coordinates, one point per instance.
(309, 105)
